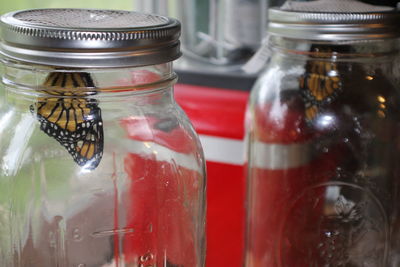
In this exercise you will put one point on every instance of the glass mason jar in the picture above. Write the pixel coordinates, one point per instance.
(99, 165)
(323, 140)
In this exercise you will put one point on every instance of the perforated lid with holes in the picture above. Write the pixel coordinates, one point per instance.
(89, 38)
(333, 20)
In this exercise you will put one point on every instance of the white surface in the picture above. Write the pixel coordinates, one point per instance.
(223, 150)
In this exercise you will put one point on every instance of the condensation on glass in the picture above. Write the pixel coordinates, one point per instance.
(98, 164)
(323, 141)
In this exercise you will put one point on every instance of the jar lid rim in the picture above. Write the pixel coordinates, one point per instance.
(335, 26)
(89, 37)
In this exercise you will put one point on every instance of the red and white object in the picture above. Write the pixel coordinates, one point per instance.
(218, 117)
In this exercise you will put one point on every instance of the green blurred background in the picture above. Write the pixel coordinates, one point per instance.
(11, 5)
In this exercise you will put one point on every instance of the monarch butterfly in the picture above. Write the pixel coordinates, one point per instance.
(68, 116)
(319, 86)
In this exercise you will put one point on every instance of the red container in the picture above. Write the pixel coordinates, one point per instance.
(218, 117)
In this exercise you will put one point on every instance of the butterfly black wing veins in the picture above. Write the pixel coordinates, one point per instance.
(320, 86)
(86, 144)
(72, 119)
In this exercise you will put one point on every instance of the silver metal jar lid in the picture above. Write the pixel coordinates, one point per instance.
(334, 20)
(89, 38)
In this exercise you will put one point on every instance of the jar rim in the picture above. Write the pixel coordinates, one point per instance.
(100, 38)
(334, 26)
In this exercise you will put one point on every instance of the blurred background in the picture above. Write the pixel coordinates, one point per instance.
(218, 37)
(10, 5)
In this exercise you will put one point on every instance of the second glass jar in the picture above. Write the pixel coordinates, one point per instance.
(323, 152)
